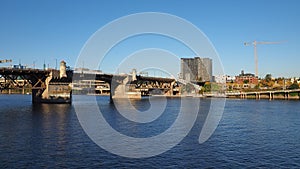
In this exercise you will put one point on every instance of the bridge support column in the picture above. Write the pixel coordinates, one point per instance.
(172, 88)
(36, 95)
(243, 95)
(286, 95)
(257, 96)
(110, 93)
(271, 95)
(122, 89)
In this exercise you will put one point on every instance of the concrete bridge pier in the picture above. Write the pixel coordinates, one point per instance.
(171, 85)
(123, 89)
(286, 95)
(257, 96)
(243, 96)
(271, 96)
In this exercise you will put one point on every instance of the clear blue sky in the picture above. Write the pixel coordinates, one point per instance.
(38, 31)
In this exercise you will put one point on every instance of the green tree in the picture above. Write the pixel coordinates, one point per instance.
(268, 77)
(215, 87)
(246, 81)
(295, 85)
(207, 87)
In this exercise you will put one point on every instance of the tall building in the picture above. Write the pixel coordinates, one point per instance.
(196, 69)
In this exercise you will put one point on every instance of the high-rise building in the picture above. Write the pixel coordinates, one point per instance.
(196, 69)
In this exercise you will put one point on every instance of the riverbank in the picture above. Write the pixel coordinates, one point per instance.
(261, 97)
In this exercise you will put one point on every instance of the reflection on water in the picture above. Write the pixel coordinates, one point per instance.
(254, 134)
(52, 120)
(142, 104)
(33, 133)
(115, 115)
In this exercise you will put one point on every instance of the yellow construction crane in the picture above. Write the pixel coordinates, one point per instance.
(254, 43)
(5, 60)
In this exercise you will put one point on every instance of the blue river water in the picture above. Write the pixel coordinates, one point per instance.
(251, 133)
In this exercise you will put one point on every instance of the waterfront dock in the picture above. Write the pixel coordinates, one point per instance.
(271, 94)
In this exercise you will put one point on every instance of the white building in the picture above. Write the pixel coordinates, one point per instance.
(224, 78)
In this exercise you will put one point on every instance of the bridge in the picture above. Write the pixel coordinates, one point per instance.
(269, 94)
(55, 86)
(130, 86)
(40, 82)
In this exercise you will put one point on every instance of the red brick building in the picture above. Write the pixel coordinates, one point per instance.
(246, 77)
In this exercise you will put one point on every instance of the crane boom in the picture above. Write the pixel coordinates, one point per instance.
(254, 43)
(269, 42)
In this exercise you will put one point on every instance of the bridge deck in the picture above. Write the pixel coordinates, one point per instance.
(16, 71)
(262, 92)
